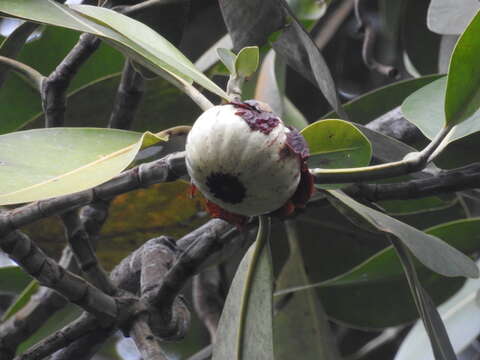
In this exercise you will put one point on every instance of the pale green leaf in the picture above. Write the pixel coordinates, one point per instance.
(245, 326)
(247, 61)
(43, 163)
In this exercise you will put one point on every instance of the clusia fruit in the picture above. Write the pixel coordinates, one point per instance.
(246, 162)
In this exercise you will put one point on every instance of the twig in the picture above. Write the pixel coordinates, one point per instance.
(146, 342)
(61, 338)
(467, 177)
(412, 162)
(385, 337)
(393, 124)
(209, 297)
(81, 245)
(204, 354)
(129, 94)
(12, 45)
(368, 46)
(55, 86)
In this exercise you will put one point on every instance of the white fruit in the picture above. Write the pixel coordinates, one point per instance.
(239, 157)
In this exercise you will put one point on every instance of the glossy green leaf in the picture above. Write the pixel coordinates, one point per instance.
(462, 98)
(429, 250)
(58, 161)
(451, 17)
(425, 109)
(228, 58)
(300, 325)
(245, 326)
(247, 61)
(336, 143)
(132, 37)
(19, 102)
(13, 279)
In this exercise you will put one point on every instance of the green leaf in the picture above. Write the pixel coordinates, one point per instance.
(12, 45)
(251, 22)
(300, 51)
(375, 103)
(270, 87)
(451, 17)
(429, 250)
(43, 163)
(300, 325)
(376, 284)
(228, 58)
(54, 323)
(462, 98)
(308, 9)
(437, 333)
(132, 37)
(210, 57)
(21, 300)
(418, 206)
(462, 320)
(163, 106)
(19, 102)
(247, 61)
(335, 144)
(292, 115)
(420, 44)
(245, 326)
(425, 109)
(13, 279)
(384, 266)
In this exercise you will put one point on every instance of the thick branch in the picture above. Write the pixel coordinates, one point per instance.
(48, 273)
(127, 100)
(464, 178)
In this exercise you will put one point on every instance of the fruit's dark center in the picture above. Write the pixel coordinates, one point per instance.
(256, 118)
(226, 187)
